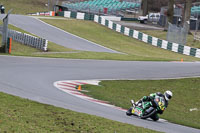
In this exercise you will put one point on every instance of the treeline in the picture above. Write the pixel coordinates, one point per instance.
(155, 5)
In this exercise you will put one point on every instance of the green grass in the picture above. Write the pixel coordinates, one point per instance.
(25, 6)
(27, 50)
(19, 49)
(22, 115)
(135, 50)
(163, 35)
(23, 50)
(186, 93)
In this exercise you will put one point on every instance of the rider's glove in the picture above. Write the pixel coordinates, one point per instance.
(146, 98)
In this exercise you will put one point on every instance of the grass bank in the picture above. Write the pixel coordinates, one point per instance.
(19, 49)
(23, 50)
(186, 93)
(135, 50)
(25, 6)
(22, 115)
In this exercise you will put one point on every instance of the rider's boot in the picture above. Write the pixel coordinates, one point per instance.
(133, 103)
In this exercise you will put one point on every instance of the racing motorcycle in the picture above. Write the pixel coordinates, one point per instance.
(147, 109)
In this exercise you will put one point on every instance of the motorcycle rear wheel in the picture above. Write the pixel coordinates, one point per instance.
(148, 115)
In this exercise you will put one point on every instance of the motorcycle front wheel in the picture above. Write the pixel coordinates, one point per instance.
(128, 112)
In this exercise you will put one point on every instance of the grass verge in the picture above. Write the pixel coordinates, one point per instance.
(19, 49)
(135, 50)
(22, 115)
(186, 93)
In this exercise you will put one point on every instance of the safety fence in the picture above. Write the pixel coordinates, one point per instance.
(197, 36)
(177, 34)
(27, 39)
(197, 30)
(148, 39)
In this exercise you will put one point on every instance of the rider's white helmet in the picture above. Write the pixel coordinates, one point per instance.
(168, 95)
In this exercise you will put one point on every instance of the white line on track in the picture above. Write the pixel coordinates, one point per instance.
(79, 37)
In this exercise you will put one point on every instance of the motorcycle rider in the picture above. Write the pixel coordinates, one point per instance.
(2, 9)
(167, 95)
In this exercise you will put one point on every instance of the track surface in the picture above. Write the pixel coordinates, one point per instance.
(39, 28)
(33, 78)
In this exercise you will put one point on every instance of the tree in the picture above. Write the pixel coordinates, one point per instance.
(51, 4)
(170, 14)
(186, 12)
(170, 11)
(145, 8)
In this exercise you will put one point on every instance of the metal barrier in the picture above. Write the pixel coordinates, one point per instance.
(27, 39)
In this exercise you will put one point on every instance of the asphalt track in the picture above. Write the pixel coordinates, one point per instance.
(33, 78)
(58, 36)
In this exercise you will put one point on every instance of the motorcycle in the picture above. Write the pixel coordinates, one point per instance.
(147, 109)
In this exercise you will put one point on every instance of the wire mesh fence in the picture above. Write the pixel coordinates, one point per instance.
(197, 36)
(197, 31)
(177, 34)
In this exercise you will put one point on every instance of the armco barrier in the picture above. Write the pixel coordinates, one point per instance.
(27, 39)
(148, 39)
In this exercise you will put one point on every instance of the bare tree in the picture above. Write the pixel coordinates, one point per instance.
(170, 11)
(170, 14)
(187, 11)
(51, 4)
(145, 8)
